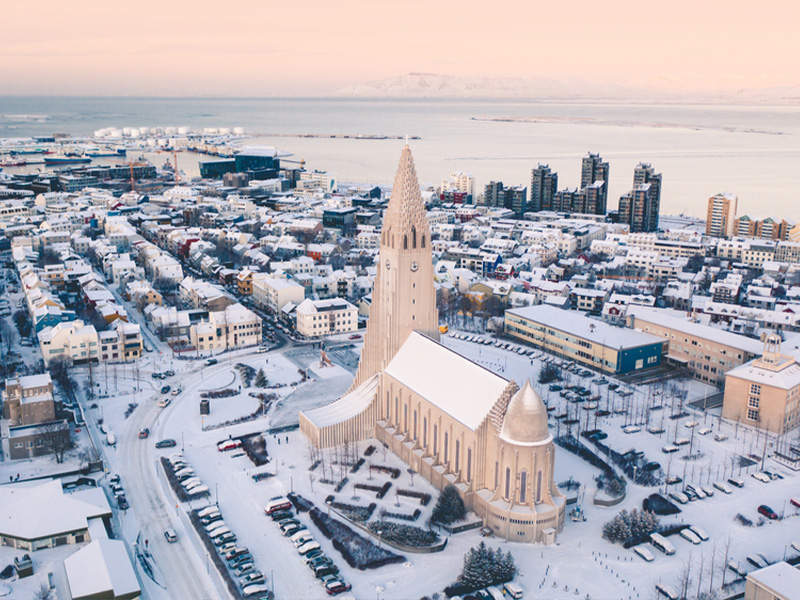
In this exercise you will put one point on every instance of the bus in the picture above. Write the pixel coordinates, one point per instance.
(229, 445)
(661, 543)
(644, 553)
(276, 504)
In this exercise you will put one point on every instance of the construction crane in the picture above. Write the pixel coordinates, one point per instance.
(131, 164)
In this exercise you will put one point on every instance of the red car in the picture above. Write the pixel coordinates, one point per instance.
(336, 587)
(355, 336)
(767, 512)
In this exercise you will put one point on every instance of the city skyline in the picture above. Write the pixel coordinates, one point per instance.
(92, 48)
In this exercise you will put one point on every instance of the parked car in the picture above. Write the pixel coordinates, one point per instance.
(165, 389)
(243, 569)
(168, 443)
(336, 587)
(122, 503)
(763, 478)
(736, 482)
(767, 512)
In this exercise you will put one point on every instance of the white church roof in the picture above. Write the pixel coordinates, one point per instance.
(461, 388)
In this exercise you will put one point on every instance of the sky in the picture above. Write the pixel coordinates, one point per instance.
(315, 47)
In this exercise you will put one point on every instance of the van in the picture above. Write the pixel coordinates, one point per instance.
(669, 449)
(219, 532)
(207, 511)
(722, 487)
(495, 593)
(757, 561)
(513, 590)
(689, 536)
(736, 568)
(276, 504)
(644, 553)
(736, 482)
(667, 592)
(252, 590)
(215, 525)
(699, 532)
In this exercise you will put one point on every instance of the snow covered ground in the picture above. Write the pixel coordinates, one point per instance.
(580, 560)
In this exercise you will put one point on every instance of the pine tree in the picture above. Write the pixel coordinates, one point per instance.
(261, 379)
(449, 507)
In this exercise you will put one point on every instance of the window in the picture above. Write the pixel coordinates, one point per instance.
(508, 483)
(755, 389)
(458, 455)
(752, 414)
(469, 464)
(496, 474)
(445, 447)
(538, 487)
(523, 483)
(436, 439)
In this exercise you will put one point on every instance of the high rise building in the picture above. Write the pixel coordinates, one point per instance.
(767, 229)
(721, 216)
(493, 194)
(517, 200)
(594, 169)
(640, 207)
(544, 184)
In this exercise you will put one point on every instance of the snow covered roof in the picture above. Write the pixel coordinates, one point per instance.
(349, 405)
(781, 579)
(41, 509)
(101, 568)
(458, 386)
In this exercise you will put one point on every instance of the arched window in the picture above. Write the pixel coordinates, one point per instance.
(396, 411)
(508, 483)
(523, 486)
(387, 406)
(469, 464)
(436, 439)
(415, 424)
(405, 417)
(538, 487)
(458, 455)
(425, 432)
(446, 454)
(413, 237)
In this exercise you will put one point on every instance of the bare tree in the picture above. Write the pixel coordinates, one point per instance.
(685, 577)
(712, 567)
(8, 335)
(88, 455)
(43, 593)
(700, 571)
(55, 439)
(725, 559)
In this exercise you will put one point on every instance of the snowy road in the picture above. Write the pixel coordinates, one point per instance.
(182, 571)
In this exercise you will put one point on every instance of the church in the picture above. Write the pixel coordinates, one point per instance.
(450, 419)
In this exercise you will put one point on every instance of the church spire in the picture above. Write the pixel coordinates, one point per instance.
(403, 297)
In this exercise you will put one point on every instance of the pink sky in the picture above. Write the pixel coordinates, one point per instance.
(269, 47)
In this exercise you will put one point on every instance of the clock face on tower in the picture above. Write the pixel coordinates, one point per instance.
(388, 265)
(414, 266)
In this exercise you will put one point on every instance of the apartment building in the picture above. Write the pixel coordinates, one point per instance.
(707, 352)
(721, 215)
(317, 318)
(29, 400)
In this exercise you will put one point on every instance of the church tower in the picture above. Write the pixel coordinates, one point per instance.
(403, 296)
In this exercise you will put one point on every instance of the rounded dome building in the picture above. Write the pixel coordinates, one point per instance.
(524, 503)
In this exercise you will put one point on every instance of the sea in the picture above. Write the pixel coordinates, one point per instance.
(752, 151)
